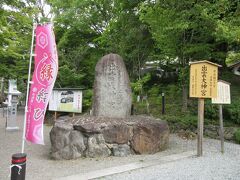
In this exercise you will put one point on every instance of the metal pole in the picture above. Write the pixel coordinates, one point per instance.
(28, 82)
(2, 89)
(163, 103)
(200, 126)
(221, 131)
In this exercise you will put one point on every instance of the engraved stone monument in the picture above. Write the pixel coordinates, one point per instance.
(112, 92)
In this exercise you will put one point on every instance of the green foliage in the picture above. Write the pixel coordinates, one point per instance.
(232, 111)
(87, 99)
(172, 92)
(154, 91)
(184, 122)
(15, 38)
(237, 136)
(183, 76)
(68, 77)
(172, 100)
(170, 32)
(211, 111)
(232, 57)
(190, 30)
(137, 86)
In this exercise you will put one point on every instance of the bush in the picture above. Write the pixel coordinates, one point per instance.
(210, 110)
(184, 122)
(237, 136)
(232, 112)
(87, 99)
(154, 91)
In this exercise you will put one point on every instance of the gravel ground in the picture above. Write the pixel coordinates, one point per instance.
(213, 165)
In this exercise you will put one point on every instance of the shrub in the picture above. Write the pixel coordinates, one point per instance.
(184, 122)
(232, 112)
(87, 99)
(210, 110)
(237, 136)
(154, 91)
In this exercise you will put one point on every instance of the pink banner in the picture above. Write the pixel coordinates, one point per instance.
(44, 76)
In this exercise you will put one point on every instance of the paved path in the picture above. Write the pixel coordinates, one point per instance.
(41, 167)
(103, 173)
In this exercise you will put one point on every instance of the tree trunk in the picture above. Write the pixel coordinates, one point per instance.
(184, 97)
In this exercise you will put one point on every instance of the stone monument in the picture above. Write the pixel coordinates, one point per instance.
(112, 92)
(110, 130)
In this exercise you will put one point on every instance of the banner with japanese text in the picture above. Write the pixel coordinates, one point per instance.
(43, 79)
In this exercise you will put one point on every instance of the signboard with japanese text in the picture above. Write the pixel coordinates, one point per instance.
(203, 79)
(66, 100)
(43, 79)
(223, 94)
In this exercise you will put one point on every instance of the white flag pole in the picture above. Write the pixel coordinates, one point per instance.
(28, 82)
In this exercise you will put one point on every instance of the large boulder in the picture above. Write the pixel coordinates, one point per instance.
(121, 150)
(97, 147)
(66, 142)
(108, 136)
(118, 133)
(150, 137)
(59, 135)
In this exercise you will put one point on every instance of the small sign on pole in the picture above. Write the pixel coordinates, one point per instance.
(203, 84)
(223, 94)
(223, 97)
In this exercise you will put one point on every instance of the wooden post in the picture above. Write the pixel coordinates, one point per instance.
(221, 131)
(73, 115)
(200, 126)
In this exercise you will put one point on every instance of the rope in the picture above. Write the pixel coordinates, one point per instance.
(19, 168)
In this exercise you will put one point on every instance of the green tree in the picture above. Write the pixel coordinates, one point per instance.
(128, 36)
(87, 30)
(15, 38)
(190, 30)
(78, 24)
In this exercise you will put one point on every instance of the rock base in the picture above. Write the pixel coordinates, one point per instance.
(90, 136)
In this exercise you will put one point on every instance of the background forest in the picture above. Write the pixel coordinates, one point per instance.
(156, 38)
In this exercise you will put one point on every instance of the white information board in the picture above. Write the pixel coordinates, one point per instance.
(223, 93)
(66, 100)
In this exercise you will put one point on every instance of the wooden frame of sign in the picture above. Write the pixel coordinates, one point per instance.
(223, 97)
(203, 84)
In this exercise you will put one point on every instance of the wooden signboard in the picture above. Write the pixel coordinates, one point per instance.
(66, 100)
(203, 84)
(203, 79)
(223, 93)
